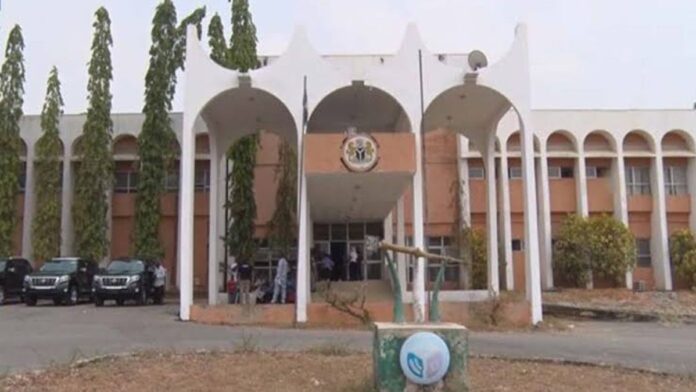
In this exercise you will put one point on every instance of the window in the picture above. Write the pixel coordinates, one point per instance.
(515, 172)
(266, 261)
(596, 171)
(556, 172)
(171, 181)
(476, 173)
(643, 258)
(637, 180)
(203, 180)
(675, 180)
(442, 246)
(517, 245)
(126, 182)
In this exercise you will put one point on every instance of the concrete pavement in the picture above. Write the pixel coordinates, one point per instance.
(37, 337)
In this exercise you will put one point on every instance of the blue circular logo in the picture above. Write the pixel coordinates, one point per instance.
(424, 358)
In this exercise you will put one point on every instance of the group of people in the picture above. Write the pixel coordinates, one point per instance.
(239, 286)
(326, 268)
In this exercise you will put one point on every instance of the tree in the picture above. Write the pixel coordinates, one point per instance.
(241, 201)
(682, 251)
(282, 233)
(243, 55)
(471, 245)
(95, 172)
(157, 135)
(216, 40)
(46, 224)
(11, 101)
(599, 246)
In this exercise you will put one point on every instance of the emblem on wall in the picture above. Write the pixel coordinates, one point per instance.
(360, 152)
(424, 358)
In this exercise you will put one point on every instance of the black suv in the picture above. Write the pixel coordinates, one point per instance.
(62, 279)
(12, 273)
(127, 279)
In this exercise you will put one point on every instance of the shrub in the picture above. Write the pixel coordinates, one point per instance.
(682, 252)
(601, 246)
(472, 249)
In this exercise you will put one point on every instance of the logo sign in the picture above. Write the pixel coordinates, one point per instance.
(360, 153)
(424, 358)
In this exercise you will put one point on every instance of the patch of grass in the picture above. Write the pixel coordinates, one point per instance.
(332, 349)
(247, 344)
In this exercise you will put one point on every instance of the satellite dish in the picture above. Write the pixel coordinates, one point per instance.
(477, 60)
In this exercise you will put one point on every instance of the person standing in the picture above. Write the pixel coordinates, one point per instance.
(353, 265)
(327, 266)
(280, 284)
(245, 275)
(160, 282)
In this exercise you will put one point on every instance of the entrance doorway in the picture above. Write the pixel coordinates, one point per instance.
(337, 239)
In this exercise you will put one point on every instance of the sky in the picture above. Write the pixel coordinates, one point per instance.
(585, 54)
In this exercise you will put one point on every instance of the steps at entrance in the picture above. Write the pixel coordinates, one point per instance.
(375, 290)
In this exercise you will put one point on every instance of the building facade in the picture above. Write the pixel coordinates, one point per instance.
(407, 147)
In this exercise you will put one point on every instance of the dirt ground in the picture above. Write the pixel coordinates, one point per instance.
(324, 369)
(664, 303)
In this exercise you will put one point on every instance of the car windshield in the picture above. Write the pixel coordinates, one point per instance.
(126, 267)
(60, 265)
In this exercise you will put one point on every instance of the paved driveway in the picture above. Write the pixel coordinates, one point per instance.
(44, 335)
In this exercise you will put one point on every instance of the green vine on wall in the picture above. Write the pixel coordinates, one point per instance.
(241, 201)
(283, 224)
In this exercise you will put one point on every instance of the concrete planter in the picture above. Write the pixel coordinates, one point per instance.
(387, 344)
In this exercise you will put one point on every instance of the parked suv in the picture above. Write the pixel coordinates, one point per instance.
(12, 273)
(127, 279)
(62, 279)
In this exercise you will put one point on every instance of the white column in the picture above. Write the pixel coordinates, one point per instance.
(581, 184)
(418, 232)
(491, 216)
(659, 242)
(531, 232)
(213, 217)
(388, 237)
(401, 240)
(186, 218)
(463, 186)
(303, 244)
(691, 184)
(29, 201)
(620, 197)
(221, 223)
(546, 251)
(66, 226)
(505, 218)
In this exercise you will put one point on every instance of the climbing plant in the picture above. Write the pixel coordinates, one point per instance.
(157, 136)
(240, 201)
(11, 101)
(95, 171)
(282, 226)
(599, 246)
(471, 245)
(46, 232)
(216, 40)
(682, 251)
(243, 56)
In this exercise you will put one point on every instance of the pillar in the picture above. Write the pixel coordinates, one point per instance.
(66, 226)
(463, 186)
(659, 242)
(303, 251)
(29, 201)
(186, 218)
(419, 232)
(388, 236)
(505, 218)
(531, 232)
(546, 252)
(213, 217)
(491, 215)
(402, 267)
(621, 198)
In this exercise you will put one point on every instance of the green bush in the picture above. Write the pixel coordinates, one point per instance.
(682, 251)
(471, 245)
(599, 246)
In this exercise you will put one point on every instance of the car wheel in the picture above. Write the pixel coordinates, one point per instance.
(29, 300)
(72, 296)
(119, 302)
(98, 301)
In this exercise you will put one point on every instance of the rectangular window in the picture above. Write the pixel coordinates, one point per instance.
(637, 180)
(591, 171)
(171, 181)
(203, 180)
(126, 182)
(441, 246)
(517, 245)
(515, 172)
(643, 258)
(476, 173)
(554, 172)
(675, 180)
(567, 172)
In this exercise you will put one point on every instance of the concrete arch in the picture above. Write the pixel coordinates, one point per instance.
(76, 147)
(561, 141)
(677, 141)
(638, 141)
(599, 141)
(514, 142)
(365, 107)
(125, 145)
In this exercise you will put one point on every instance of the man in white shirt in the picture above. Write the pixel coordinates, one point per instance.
(160, 282)
(280, 284)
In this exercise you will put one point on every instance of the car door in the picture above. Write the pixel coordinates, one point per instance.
(82, 284)
(13, 273)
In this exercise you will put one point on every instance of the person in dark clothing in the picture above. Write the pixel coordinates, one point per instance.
(246, 273)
